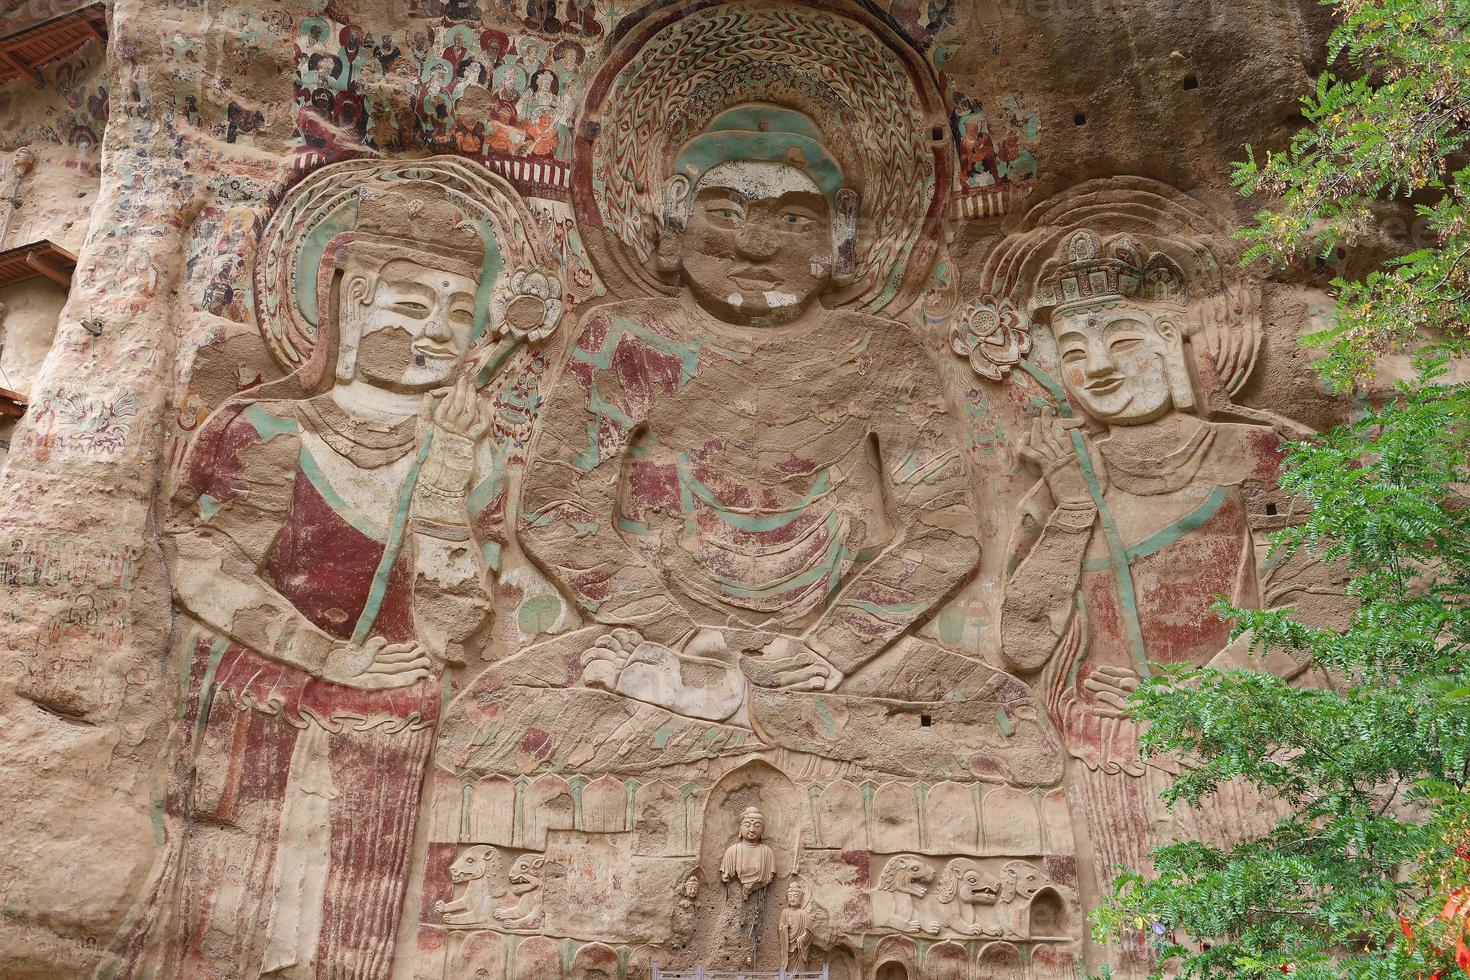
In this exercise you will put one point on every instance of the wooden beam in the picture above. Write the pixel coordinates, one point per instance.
(92, 29)
(20, 66)
(42, 265)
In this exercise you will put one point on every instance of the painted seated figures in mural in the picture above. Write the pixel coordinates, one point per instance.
(751, 493)
(334, 542)
(1137, 524)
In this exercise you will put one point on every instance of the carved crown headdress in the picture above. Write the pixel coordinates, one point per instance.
(1087, 270)
(415, 220)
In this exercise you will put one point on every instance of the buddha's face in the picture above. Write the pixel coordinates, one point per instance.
(793, 897)
(752, 829)
(758, 242)
(1116, 362)
(410, 325)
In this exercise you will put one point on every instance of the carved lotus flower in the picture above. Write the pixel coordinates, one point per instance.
(994, 336)
(528, 305)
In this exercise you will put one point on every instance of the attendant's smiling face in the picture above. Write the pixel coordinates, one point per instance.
(1115, 362)
(758, 242)
(413, 325)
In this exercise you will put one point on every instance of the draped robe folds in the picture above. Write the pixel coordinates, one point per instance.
(753, 865)
(296, 797)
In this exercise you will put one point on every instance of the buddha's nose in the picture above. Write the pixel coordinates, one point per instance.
(754, 242)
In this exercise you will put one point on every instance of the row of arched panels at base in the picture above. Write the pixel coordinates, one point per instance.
(493, 956)
(942, 818)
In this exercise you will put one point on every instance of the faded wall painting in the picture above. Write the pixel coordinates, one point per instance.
(584, 488)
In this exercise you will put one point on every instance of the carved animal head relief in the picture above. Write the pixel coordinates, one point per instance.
(475, 863)
(906, 874)
(1022, 880)
(525, 873)
(965, 881)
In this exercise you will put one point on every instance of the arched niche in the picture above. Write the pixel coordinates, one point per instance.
(897, 956)
(595, 961)
(537, 958)
(480, 954)
(999, 961)
(1009, 823)
(757, 784)
(895, 824)
(946, 961)
(604, 806)
(949, 818)
(548, 806)
(1046, 916)
(493, 812)
(840, 819)
(1053, 963)
(659, 821)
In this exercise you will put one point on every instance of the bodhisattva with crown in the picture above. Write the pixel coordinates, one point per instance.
(750, 491)
(1143, 523)
(333, 546)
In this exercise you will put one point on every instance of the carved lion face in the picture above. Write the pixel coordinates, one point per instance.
(964, 880)
(474, 863)
(906, 874)
(525, 873)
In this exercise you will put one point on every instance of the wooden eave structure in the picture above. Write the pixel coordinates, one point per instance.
(25, 51)
(43, 258)
(12, 404)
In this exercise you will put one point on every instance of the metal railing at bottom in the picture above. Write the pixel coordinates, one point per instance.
(700, 973)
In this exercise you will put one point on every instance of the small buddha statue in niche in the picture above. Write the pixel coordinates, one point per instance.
(749, 860)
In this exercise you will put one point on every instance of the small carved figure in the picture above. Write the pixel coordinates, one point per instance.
(685, 912)
(965, 885)
(748, 860)
(525, 884)
(795, 927)
(905, 879)
(477, 872)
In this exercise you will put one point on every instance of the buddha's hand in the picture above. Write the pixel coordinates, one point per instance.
(377, 664)
(1050, 447)
(458, 420)
(789, 662)
(1111, 688)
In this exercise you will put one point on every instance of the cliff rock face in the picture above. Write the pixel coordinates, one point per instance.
(552, 489)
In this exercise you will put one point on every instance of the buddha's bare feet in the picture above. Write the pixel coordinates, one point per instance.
(623, 662)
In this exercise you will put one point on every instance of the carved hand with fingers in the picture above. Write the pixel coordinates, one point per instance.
(1111, 687)
(377, 664)
(789, 662)
(459, 419)
(1050, 448)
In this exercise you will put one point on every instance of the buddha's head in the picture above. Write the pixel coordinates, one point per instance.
(752, 825)
(403, 288)
(757, 219)
(1120, 324)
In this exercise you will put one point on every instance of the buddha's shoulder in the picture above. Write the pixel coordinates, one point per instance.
(881, 334)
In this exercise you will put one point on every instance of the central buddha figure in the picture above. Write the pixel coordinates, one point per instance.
(749, 491)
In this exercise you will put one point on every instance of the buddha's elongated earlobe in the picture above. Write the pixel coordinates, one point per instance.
(845, 209)
(354, 290)
(1176, 365)
(678, 201)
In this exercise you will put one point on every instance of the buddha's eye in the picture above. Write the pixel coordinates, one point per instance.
(461, 317)
(409, 308)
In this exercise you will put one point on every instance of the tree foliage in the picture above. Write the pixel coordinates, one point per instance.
(1366, 875)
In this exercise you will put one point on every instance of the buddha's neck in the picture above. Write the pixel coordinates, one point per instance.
(365, 401)
(1161, 436)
